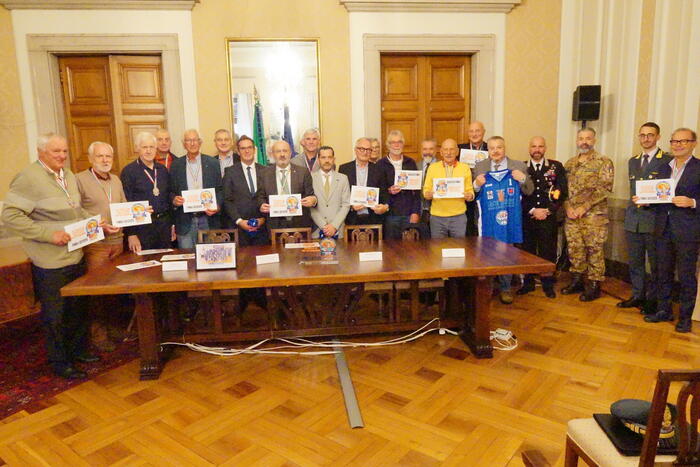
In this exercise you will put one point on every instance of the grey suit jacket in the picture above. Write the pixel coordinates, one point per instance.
(299, 161)
(334, 209)
(527, 187)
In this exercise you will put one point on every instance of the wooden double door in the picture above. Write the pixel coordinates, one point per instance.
(110, 98)
(425, 96)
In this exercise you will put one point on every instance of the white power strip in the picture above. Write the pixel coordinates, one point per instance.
(503, 339)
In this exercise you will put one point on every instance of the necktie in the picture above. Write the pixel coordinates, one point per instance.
(327, 185)
(537, 167)
(497, 167)
(251, 185)
(645, 161)
(285, 185)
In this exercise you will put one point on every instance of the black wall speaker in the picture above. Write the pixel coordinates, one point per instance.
(586, 103)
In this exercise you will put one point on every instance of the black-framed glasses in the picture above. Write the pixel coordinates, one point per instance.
(363, 149)
(682, 141)
(646, 135)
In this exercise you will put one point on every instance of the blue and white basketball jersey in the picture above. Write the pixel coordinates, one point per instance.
(501, 212)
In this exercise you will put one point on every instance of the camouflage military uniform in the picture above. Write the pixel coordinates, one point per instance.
(590, 183)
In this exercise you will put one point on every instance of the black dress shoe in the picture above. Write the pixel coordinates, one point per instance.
(649, 308)
(87, 358)
(525, 289)
(549, 292)
(71, 373)
(631, 302)
(659, 317)
(684, 325)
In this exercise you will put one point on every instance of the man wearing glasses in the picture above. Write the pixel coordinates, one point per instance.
(361, 172)
(639, 221)
(677, 230)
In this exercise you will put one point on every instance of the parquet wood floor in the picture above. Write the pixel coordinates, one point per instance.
(425, 403)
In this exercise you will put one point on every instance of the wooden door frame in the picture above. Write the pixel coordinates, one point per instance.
(44, 49)
(482, 48)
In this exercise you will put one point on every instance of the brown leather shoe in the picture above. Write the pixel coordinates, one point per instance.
(506, 297)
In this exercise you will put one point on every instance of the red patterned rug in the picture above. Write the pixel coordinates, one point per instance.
(25, 376)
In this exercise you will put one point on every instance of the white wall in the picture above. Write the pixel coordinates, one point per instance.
(429, 24)
(105, 22)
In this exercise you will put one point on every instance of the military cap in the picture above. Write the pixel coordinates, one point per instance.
(633, 414)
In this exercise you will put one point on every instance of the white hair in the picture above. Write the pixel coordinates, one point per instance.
(143, 136)
(312, 130)
(44, 139)
(94, 144)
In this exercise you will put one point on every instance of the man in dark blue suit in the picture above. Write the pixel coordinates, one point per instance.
(195, 171)
(241, 182)
(677, 229)
(639, 221)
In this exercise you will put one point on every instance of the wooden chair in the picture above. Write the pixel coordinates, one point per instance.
(218, 236)
(370, 233)
(293, 235)
(373, 233)
(423, 286)
(585, 439)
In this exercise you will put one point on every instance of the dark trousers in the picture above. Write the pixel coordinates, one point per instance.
(540, 238)
(155, 235)
(639, 246)
(673, 253)
(472, 218)
(65, 319)
(262, 237)
(394, 226)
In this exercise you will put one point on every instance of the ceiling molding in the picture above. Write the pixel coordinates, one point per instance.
(99, 5)
(431, 6)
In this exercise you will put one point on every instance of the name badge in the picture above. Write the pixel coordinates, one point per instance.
(453, 253)
(371, 256)
(174, 266)
(267, 259)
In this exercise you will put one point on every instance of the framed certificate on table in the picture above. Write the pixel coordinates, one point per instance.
(129, 214)
(364, 195)
(285, 205)
(408, 179)
(656, 191)
(199, 200)
(215, 255)
(452, 187)
(85, 232)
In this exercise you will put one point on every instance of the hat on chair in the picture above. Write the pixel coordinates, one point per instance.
(633, 414)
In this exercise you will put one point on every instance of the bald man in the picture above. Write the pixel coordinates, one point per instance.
(475, 133)
(540, 210)
(164, 155)
(447, 215)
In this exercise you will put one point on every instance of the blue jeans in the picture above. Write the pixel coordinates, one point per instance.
(394, 226)
(504, 281)
(189, 239)
(65, 319)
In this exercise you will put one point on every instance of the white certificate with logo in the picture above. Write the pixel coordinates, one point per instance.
(408, 179)
(85, 232)
(128, 214)
(199, 200)
(452, 187)
(657, 191)
(285, 205)
(364, 195)
(472, 156)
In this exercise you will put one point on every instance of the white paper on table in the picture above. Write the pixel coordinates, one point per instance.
(370, 256)
(174, 266)
(177, 257)
(267, 259)
(154, 251)
(199, 200)
(452, 187)
(141, 265)
(85, 232)
(655, 191)
(408, 179)
(128, 214)
(302, 245)
(364, 195)
(453, 253)
(472, 156)
(285, 205)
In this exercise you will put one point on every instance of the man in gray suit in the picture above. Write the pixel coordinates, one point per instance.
(333, 192)
(310, 141)
(639, 221)
(498, 161)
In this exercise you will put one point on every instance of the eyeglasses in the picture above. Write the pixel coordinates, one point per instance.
(245, 148)
(363, 149)
(646, 135)
(682, 141)
(192, 141)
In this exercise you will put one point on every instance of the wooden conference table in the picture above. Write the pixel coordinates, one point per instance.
(468, 283)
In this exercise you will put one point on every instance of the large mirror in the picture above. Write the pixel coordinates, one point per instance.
(274, 89)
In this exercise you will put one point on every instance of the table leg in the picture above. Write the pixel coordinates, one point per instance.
(477, 309)
(149, 337)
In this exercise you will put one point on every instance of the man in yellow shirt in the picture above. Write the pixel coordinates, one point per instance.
(447, 210)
